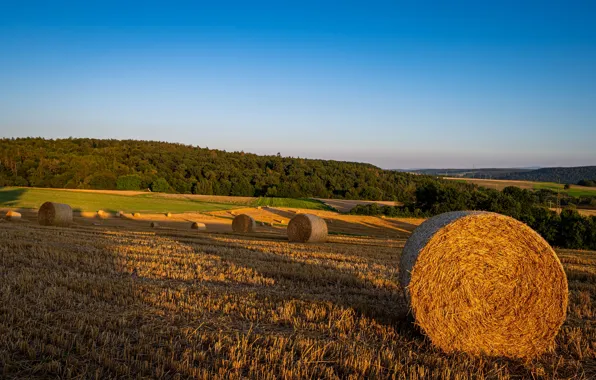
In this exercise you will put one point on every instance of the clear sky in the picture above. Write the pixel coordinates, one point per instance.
(400, 84)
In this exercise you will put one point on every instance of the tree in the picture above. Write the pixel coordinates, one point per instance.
(128, 182)
(160, 186)
(573, 229)
(104, 180)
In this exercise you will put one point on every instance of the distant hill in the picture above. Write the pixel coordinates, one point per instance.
(487, 173)
(571, 175)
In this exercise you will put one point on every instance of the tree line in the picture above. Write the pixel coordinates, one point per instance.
(568, 175)
(178, 168)
(567, 229)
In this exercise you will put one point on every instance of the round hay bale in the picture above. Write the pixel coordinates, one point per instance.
(136, 215)
(54, 214)
(484, 283)
(198, 226)
(168, 215)
(154, 225)
(243, 223)
(101, 214)
(307, 228)
(12, 216)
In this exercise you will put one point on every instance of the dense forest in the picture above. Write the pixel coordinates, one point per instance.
(570, 175)
(168, 167)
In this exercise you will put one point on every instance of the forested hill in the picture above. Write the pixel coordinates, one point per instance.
(160, 166)
(570, 175)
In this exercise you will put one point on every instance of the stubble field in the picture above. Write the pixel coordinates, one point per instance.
(121, 301)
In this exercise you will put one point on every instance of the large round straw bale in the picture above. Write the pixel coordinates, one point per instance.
(307, 228)
(243, 223)
(12, 215)
(136, 215)
(168, 215)
(198, 226)
(54, 214)
(484, 283)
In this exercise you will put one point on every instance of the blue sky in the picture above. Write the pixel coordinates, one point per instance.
(398, 84)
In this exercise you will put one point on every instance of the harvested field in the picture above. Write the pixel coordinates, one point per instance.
(105, 302)
(340, 224)
(581, 211)
(497, 184)
(500, 184)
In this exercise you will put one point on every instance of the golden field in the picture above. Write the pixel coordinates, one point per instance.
(115, 299)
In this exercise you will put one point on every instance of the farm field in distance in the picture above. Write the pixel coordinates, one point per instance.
(133, 201)
(138, 201)
(122, 299)
(499, 184)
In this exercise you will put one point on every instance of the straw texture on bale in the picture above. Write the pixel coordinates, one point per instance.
(243, 223)
(484, 283)
(54, 214)
(12, 215)
(307, 228)
(198, 226)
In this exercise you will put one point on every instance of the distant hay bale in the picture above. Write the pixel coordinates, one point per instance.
(54, 214)
(12, 216)
(243, 223)
(136, 215)
(101, 214)
(168, 215)
(484, 283)
(154, 225)
(307, 228)
(198, 226)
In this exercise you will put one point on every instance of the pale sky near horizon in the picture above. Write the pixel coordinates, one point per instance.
(396, 84)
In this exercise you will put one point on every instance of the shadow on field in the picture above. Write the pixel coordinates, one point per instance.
(282, 213)
(402, 225)
(296, 279)
(9, 197)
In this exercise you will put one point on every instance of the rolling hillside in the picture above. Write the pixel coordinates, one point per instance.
(185, 169)
(569, 175)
